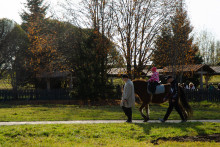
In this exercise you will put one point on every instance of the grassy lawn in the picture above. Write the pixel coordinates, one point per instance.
(202, 110)
(124, 134)
(214, 79)
(148, 134)
(5, 84)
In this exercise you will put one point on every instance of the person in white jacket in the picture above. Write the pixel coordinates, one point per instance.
(128, 98)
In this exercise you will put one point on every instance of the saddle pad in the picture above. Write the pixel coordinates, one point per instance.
(159, 89)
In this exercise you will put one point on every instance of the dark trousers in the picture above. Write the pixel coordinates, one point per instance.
(128, 112)
(152, 86)
(170, 109)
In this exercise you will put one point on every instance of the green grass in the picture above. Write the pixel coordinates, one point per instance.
(202, 110)
(106, 134)
(214, 79)
(5, 84)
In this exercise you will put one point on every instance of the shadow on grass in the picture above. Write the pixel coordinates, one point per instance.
(187, 131)
(183, 126)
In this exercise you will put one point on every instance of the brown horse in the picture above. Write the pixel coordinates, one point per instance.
(140, 87)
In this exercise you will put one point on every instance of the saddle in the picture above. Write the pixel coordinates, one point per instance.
(155, 88)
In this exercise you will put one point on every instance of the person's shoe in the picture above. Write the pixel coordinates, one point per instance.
(183, 121)
(161, 120)
(129, 121)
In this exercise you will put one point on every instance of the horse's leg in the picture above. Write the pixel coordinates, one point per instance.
(147, 112)
(141, 111)
(147, 108)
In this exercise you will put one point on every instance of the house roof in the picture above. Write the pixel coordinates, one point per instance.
(119, 71)
(190, 68)
(116, 71)
(168, 69)
(216, 69)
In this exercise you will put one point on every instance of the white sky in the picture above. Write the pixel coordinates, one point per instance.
(204, 14)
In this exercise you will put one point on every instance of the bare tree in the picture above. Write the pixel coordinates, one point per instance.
(131, 24)
(137, 23)
(209, 47)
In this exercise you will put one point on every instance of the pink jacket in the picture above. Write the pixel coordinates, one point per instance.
(154, 77)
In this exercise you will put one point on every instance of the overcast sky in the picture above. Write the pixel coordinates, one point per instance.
(204, 14)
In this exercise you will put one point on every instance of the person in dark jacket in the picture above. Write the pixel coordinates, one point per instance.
(173, 101)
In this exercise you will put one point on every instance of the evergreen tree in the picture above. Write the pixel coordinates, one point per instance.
(87, 64)
(13, 45)
(174, 47)
(81, 49)
(42, 56)
(163, 45)
(36, 12)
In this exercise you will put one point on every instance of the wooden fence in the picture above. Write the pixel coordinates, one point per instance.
(56, 94)
(203, 94)
(7, 95)
(65, 94)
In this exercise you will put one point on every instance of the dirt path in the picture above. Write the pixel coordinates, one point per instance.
(95, 122)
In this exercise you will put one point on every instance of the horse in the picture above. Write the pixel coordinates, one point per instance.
(140, 88)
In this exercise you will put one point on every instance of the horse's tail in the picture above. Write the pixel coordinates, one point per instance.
(184, 102)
